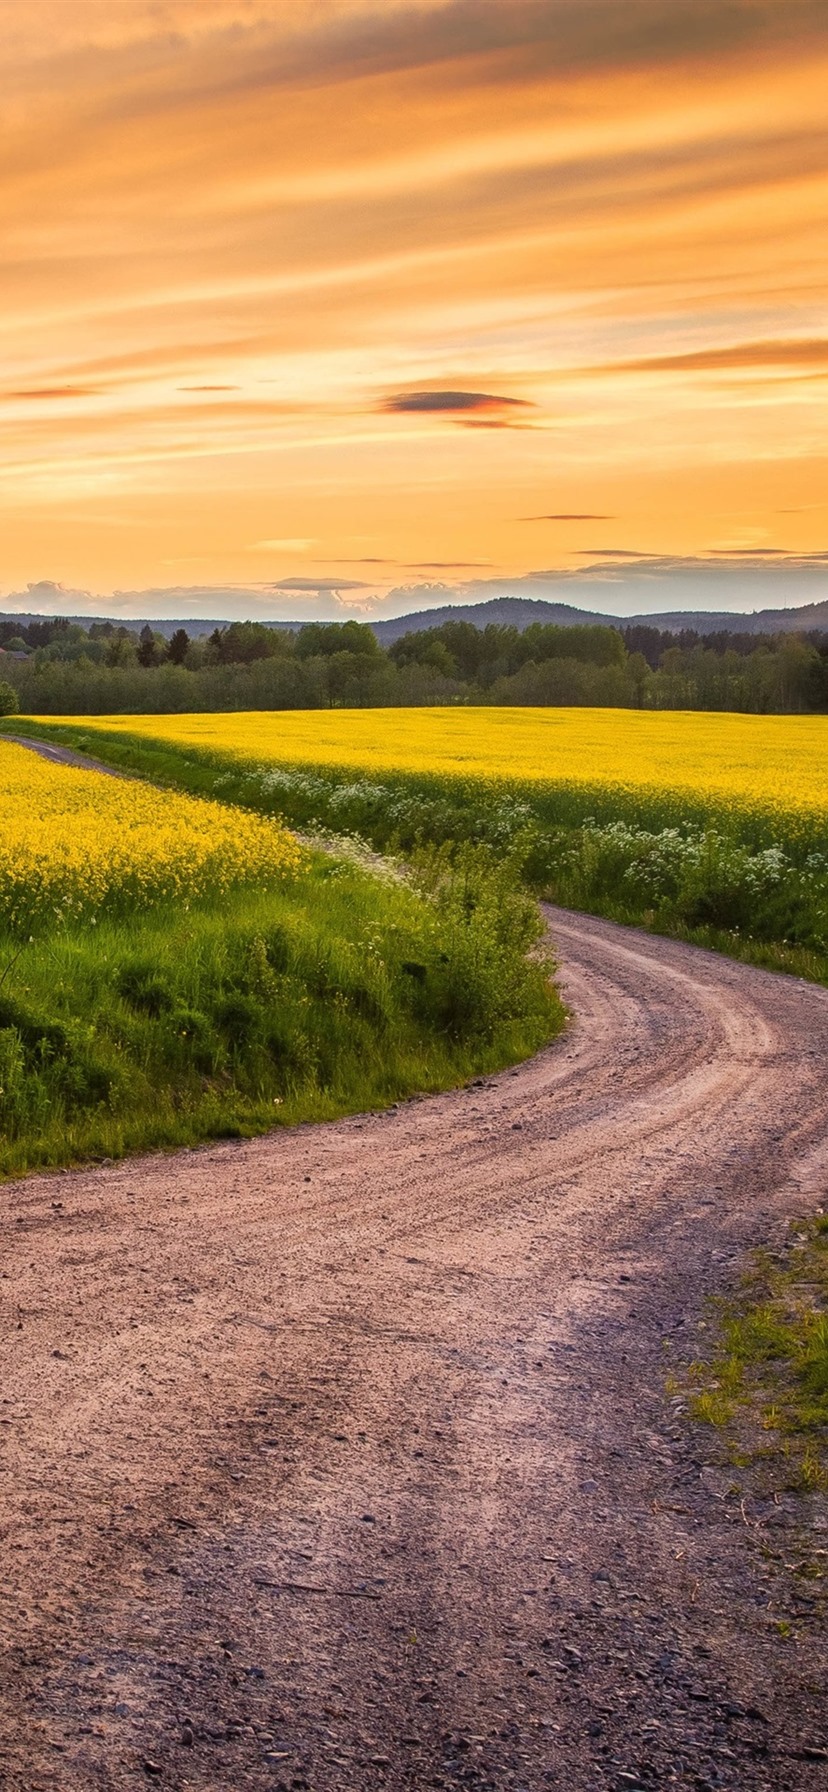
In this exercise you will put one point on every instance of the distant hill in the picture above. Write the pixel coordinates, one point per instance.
(511, 612)
(799, 620)
(514, 612)
(521, 612)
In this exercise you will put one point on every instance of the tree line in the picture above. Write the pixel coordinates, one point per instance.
(56, 667)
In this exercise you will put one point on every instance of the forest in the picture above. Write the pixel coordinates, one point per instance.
(58, 667)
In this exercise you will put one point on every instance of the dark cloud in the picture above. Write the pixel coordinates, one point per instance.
(452, 402)
(570, 516)
(508, 39)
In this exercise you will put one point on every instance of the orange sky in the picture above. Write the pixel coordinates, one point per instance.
(348, 292)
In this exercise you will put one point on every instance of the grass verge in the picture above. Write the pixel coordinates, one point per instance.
(764, 1383)
(336, 992)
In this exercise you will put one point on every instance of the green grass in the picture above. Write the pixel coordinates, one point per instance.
(765, 1380)
(718, 877)
(339, 992)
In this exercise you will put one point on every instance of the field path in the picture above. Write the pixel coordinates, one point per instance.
(342, 1459)
(59, 755)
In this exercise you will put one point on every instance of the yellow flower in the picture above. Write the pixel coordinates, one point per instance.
(778, 764)
(78, 841)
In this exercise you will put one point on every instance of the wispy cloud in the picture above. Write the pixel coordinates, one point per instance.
(318, 585)
(578, 244)
(44, 393)
(794, 352)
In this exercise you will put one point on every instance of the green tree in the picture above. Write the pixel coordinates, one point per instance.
(9, 703)
(150, 649)
(319, 639)
(178, 645)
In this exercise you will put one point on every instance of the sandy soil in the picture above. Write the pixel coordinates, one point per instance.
(343, 1459)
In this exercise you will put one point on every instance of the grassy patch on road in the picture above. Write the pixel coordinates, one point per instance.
(765, 1382)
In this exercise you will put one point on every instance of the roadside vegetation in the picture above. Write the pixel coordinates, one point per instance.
(174, 969)
(710, 828)
(764, 1382)
(58, 667)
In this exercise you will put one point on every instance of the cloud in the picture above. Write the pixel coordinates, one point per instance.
(570, 516)
(48, 596)
(53, 392)
(453, 402)
(790, 352)
(319, 585)
(655, 583)
(504, 39)
(199, 200)
(295, 544)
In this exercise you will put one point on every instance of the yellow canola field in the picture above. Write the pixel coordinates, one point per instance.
(74, 841)
(775, 763)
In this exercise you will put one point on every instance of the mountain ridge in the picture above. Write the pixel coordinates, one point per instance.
(517, 612)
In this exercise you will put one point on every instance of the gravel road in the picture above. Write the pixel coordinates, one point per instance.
(343, 1459)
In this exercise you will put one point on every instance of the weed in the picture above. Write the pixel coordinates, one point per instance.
(767, 1371)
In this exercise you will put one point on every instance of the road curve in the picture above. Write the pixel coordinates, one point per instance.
(342, 1459)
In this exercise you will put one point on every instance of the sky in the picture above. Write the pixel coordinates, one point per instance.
(331, 307)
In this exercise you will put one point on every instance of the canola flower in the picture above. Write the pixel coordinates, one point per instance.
(74, 842)
(777, 764)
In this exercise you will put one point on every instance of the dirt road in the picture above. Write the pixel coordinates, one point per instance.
(343, 1459)
(59, 755)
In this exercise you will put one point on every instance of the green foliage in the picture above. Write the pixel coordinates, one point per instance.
(485, 927)
(243, 642)
(150, 648)
(9, 701)
(342, 991)
(321, 639)
(110, 668)
(178, 646)
(766, 1378)
(693, 879)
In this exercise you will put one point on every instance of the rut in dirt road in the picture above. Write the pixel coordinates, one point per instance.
(342, 1459)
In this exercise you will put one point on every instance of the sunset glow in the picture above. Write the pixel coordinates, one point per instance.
(348, 297)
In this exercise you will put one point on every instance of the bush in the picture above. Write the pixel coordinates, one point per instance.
(9, 700)
(341, 991)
